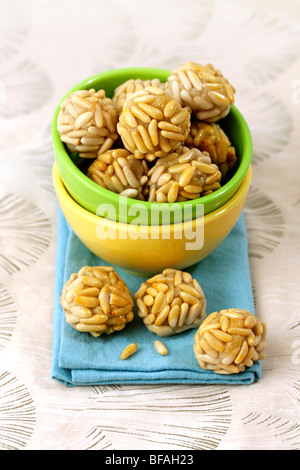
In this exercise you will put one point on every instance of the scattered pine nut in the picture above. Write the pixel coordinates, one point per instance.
(160, 348)
(129, 351)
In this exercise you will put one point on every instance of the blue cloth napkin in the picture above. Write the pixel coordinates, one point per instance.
(81, 359)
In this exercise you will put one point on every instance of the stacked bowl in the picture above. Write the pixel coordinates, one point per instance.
(137, 235)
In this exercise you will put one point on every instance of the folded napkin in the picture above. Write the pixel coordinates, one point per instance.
(81, 359)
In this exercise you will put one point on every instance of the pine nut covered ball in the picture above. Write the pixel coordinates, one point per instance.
(119, 171)
(87, 122)
(229, 341)
(182, 176)
(96, 300)
(170, 302)
(202, 89)
(210, 137)
(152, 123)
(132, 86)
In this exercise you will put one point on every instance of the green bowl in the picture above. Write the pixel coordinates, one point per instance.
(107, 204)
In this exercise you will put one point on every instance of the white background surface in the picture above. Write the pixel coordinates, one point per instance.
(45, 48)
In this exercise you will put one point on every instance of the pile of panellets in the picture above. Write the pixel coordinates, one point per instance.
(170, 127)
(97, 301)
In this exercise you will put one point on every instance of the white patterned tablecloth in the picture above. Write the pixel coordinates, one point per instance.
(47, 46)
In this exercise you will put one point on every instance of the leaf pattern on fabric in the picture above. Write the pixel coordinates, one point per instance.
(269, 121)
(43, 53)
(17, 413)
(14, 27)
(25, 88)
(39, 155)
(265, 223)
(25, 233)
(284, 433)
(205, 415)
(8, 316)
(245, 64)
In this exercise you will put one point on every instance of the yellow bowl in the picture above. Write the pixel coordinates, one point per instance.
(150, 249)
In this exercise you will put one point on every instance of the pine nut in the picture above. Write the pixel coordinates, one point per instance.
(129, 351)
(160, 348)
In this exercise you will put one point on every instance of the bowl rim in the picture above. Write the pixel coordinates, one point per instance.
(62, 192)
(66, 160)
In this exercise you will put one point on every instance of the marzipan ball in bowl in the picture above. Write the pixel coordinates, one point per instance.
(136, 110)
